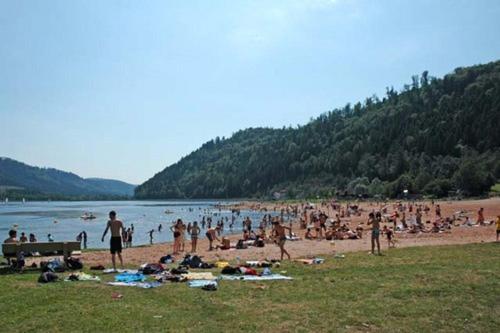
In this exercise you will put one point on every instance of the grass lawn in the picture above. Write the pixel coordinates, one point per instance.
(422, 289)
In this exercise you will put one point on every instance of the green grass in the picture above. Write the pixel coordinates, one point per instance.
(421, 289)
(495, 188)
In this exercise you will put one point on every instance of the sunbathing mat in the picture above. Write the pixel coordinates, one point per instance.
(111, 270)
(201, 283)
(199, 276)
(144, 285)
(255, 277)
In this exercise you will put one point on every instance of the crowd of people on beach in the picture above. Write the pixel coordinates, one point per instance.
(327, 220)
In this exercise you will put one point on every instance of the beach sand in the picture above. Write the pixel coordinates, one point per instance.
(306, 248)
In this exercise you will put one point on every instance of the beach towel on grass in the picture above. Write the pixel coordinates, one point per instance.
(129, 277)
(199, 276)
(144, 285)
(201, 283)
(111, 270)
(81, 277)
(311, 261)
(255, 277)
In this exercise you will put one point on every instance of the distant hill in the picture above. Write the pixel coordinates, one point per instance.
(18, 177)
(434, 137)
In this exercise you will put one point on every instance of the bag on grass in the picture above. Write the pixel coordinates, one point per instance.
(229, 270)
(47, 277)
(74, 263)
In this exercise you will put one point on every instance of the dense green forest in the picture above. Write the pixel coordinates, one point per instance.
(19, 180)
(434, 137)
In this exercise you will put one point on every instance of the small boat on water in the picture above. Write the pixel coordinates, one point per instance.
(88, 216)
(168, 211)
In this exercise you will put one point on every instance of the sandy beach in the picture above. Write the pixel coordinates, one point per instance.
(305, 248)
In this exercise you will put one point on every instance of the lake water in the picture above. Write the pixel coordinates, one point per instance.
(62, 219)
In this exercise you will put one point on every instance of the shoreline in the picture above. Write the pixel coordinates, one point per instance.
(304, 248)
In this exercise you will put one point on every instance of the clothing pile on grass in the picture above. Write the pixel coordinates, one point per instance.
(52, 267)
(248, 271)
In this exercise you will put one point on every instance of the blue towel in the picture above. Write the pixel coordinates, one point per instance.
(129, 277)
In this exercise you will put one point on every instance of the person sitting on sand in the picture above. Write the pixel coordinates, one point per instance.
(309, 234)
(211, 236)
(262, 233)
(32, 238)
(279, 232)
(115, 242)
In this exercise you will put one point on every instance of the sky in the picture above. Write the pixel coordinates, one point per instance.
(122, 89)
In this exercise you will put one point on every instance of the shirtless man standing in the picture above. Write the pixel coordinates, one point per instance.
(375, 232)
(115, 242)
(279, 232)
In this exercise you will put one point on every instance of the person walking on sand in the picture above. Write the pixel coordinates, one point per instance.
(115, 242)
(375, 232)
(279, 232)
(480, 216)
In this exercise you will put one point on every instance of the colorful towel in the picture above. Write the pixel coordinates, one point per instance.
(254, 277)
(199, 276)
(111, 270)
(144, 285)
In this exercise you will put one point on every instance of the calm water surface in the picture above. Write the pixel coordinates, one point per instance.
(62, 219)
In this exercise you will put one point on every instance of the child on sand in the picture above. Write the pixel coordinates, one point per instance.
(390, 234)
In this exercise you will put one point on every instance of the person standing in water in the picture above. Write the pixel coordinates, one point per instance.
(151, 232)
(115, 243)
(375, 232)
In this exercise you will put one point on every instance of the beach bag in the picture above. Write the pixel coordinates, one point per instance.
(206, 265)
(195, 262)
(47, 277)
(149, 269)
(167, 259)
(53, 265)
(229, 270)
(178, 271)
(186, 261)
(74, 263)
(259, 243)
(241, 245)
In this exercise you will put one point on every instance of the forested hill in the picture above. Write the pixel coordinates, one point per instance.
(19, 180)
(435, 136)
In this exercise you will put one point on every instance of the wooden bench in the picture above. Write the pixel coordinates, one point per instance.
(12, 250)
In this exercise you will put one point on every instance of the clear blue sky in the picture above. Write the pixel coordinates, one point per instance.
(121, 89)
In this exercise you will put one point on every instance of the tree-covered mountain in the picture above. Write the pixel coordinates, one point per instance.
(20, 179)
(432, 137)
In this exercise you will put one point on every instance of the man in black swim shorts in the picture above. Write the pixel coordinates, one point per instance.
(115, 242)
